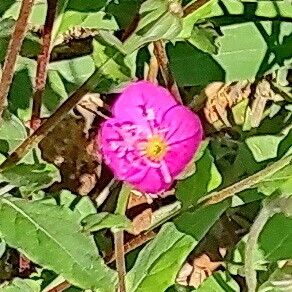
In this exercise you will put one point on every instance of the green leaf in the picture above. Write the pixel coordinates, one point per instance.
(77, 13)
(30, 177)
(118, 68)
(12, 133)
(191, 66)
(54, 240)
(280, 181)
(95, 222)
(275, 242)
(21, 285)
(75, 71)
(264, 147)
(37, 15)
(241, 55)
(202, 12)
(219, 282)
(160, 19)
(197, 223)
(279, 281)
(123, 11)
(203, 38)
(201, 182)
(159, 262)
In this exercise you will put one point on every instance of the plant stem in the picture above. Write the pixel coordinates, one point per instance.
(13, 51)
(42, 64)
(188, 9)
(162, 59)
(249, 182)
(53, 120)
(267, 212)
(119, 237)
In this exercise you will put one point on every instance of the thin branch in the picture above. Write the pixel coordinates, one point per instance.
(267, 211)
(60, 287)
(194, 6)
(42, 64)
(120, 259)
(52, 121)
(249, 182)
(162, 59)
(13, 51)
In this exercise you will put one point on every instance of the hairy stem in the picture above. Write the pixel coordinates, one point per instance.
(13, 51)
(249, 182)
(267, 212)
(42, 64)
(119, 237)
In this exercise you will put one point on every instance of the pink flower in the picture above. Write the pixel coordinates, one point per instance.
(150, 138)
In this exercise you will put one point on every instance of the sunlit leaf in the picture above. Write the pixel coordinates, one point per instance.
(55, 241)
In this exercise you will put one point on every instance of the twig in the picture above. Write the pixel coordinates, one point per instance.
(13, 51)
(42, 64)
(60, 287)
(267, 211)
(162, 59)
(120, 259)
(52, 121)
(133, 244)
(188, 9)
(249, 182)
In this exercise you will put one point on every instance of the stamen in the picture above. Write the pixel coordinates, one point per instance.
(165, 172)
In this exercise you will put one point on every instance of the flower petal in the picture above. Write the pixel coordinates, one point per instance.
(124, 163)
(184, 136)
(142, 99)
(153, 182)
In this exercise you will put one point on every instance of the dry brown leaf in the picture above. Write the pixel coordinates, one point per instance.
(136, 200)
(262, 95)
(194, 274)
(222, 97)
(87, 182)
(141, 222)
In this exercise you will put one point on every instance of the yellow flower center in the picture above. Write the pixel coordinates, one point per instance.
(156, 148)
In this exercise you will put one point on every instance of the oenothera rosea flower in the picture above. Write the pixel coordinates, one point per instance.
(150, 138)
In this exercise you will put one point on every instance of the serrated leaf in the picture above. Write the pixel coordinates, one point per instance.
(159, 262)
(219, 282)
(95, 222)
(54, 240)
(21, 285)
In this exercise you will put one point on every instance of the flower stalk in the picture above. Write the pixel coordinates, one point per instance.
(119, 237)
